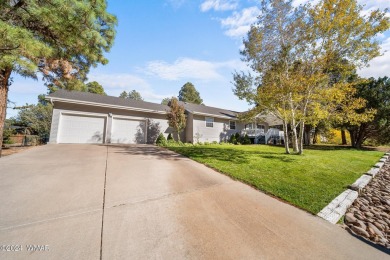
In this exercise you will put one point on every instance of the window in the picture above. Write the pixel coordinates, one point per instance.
(209, 122)
(232, 125)
(260, 126)
(249, 126)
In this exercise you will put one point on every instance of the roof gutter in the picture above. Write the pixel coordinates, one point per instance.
(72, 101)
(213, 115)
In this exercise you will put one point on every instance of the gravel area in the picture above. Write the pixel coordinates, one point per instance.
(369, 215)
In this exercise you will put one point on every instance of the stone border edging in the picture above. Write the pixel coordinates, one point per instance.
(338, 207)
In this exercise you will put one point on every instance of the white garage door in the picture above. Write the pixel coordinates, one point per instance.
(77, 129)
(126, 131)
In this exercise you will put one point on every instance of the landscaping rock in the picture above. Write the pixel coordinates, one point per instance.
(369, 215)
(360, 231)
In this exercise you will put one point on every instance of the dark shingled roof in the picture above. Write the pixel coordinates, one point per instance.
(110, 100)
(96, 98)
(193, 108)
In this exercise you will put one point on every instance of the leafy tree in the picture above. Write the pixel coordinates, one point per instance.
(377, 94)
(135, 95)
(37, 118)
(293, 51)
(189, 94)
(124, 95)
(59, 39)
(166, 101)
(96, 88)
(176, 117)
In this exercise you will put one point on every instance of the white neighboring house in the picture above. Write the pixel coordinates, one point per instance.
(80, 117)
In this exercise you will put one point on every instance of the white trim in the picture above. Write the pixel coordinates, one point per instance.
(213, 115)
(108, 105)
(129, 117)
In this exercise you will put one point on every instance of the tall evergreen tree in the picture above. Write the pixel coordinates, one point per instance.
(96, 88)
(189, 94)
(123, 94)
(135, 95)
(60, 39)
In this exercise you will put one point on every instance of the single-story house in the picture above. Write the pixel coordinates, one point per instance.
(81, 117)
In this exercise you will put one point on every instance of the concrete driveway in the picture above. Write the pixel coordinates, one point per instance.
(157, 205)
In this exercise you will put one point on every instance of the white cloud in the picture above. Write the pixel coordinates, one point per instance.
(187, 68)
(380, 66)
(115, 83)
(176, 3)
(119, 80)
(238, 24)
(218, 5)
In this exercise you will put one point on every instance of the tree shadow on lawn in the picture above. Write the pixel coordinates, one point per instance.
(231, 155)
(338, 147)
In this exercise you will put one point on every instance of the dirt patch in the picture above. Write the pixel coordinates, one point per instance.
(14, 149)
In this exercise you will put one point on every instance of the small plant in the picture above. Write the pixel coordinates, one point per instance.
(200, 143)
(215, 142)
(206, 143)
(170, 138)
(197, 137)
(161, 139)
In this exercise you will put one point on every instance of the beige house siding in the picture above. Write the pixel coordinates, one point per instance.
(219, 132)
(156, 123)
(189, 130)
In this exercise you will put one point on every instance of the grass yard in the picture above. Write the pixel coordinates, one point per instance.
(309, 181)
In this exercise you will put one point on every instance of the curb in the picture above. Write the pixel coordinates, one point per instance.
(337, 207)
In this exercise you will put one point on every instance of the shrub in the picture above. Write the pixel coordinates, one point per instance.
(206, 143)
(170, 138)
(215, 142)
(161, 139)
(245, 140)
(233, 139)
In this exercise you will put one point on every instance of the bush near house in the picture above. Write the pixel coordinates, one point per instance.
(161, 139)
(238, 139)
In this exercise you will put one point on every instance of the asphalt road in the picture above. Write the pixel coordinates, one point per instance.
(157, 205)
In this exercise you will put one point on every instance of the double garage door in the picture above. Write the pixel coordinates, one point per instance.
(93, 129)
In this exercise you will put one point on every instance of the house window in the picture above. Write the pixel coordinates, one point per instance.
(209, 122)
(249, 126)
(232, 125)
(260, 126)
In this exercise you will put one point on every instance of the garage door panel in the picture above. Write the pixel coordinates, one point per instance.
(81, 129)
(126, 131)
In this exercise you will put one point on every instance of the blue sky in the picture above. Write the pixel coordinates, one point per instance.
(161, 45)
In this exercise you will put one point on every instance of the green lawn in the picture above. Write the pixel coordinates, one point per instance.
(309, 181)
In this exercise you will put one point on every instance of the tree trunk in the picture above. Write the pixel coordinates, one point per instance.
(343, 137)
(301, 133)
(286, 139)
(358, 135)
(294, 139)
(4, 86)
(177, 135)
(361, 136)
(315, 135)
(352, 133)
(307, 139)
